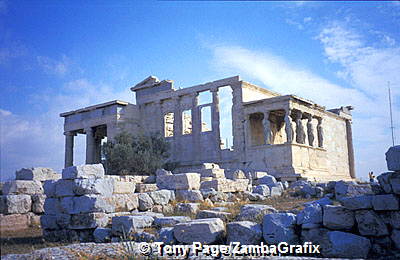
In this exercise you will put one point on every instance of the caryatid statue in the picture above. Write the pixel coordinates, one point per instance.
(300, 134)
(288, 127)
(310, 130)
(267, 128)
(320, 132)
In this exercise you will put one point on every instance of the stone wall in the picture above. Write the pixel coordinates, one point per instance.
(22, 200)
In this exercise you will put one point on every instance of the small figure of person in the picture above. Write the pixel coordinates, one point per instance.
(371, 177)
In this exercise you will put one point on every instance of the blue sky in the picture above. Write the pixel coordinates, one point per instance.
(59, 56)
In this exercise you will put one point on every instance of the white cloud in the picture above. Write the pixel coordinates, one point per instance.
(55, 67)
(366, 67)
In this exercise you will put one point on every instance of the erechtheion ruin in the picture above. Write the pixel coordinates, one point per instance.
(285, 135)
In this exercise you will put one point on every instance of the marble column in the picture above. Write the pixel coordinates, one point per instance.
(69, 149)
(90, 145)
(267, 128)
(310, 130)
(215, 121)
(350, 149)
(288, 126)
(196, 127)
(320, 133)
(300, 134)
(177, 128)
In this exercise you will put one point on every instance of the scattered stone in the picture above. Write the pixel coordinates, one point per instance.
(205, 231)
(103, 187)
(262, 190)
(267, 180)
(127, 225)
(280, 227)
(226, 185)
(187, 181)
(393, 158)
(162, 172)
(166, 235)
(245, 232)
(145, 202)
(189, 195)
(338, 217)
(83, 171)
(224, 216)
(161, 197)
(357, 202)
(385, 202)
(254, 212)
(311, 214)
(102, 235)
(22, 187)
(256, 197)
(187, 208)
(146, 187)
(322, 202)
(346, 245)
(276, 191)
(170, 221)
(37, 174)
(351, 189)
(370, 223)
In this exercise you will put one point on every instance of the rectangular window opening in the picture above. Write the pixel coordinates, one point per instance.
(187, 122)
(169, 124)
(206, 124)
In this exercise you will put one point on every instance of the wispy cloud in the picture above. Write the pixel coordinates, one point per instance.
(55, 67)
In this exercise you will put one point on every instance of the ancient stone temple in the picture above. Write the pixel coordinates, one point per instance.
(285, 135)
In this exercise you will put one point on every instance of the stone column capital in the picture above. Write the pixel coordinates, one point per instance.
(69, 133)
(88, 130)
(214, 90)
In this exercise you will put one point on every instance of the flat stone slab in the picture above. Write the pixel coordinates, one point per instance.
(15, 204)
(224, 216)
(347, 245)
(125, 225)
(206, 231)
(280, 227)
(22, 187)
(358, 202)
(245, 232)
(254, 212)
(83, 171)
(37, 174)
(338, 217)
(385, 202)
(170, 221)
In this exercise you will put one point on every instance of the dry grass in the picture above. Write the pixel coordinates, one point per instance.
(24, 241)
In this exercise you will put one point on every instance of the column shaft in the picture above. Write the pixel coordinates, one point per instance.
(69, 149)
(196, 128)
(350, 148)
(215, 121)
(90, 146)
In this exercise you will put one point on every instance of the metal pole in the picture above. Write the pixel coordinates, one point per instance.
(391, 115)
